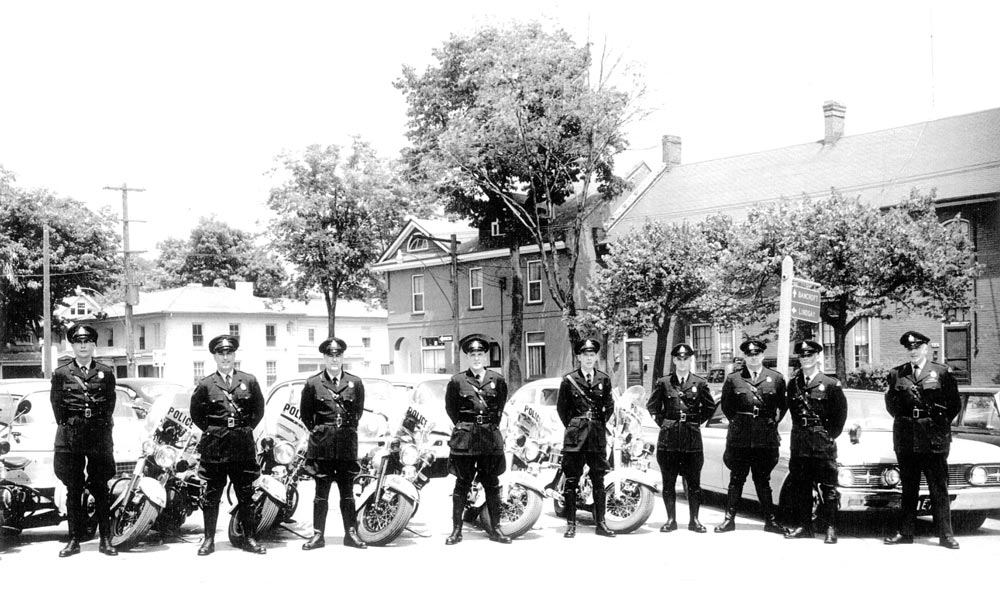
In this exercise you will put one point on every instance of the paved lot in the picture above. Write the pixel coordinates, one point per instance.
(645, 556)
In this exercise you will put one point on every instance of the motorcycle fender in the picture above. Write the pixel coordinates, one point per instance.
(394, 483)
(153, 490)
(635, 476)
(271, 487)
(521, 478)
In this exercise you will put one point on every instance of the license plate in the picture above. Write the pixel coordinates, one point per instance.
(924, 503)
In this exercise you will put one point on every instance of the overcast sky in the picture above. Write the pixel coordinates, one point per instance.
(193, 100)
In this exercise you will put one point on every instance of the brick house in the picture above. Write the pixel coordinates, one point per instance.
(958, 157)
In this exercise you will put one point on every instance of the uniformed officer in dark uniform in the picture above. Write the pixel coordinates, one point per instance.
(818, 410)
(227, 405)
(585, 404)
(679, 404)
(923, 400)
(331, 407)
(474, 400)
(754, 401)
(83, 402)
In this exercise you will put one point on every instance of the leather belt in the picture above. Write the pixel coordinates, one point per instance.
(479, 420)
(754, 413)
(810, 421)
(683, 417)
(87, 413)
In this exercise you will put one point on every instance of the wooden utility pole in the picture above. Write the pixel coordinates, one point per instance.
(47, 305)
(131, 288)
(454, 297)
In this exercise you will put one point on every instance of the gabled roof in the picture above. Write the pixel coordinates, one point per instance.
(958, 156)
(440, 228)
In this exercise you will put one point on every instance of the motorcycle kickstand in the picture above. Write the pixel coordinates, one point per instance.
(296, 532)
(416, 533)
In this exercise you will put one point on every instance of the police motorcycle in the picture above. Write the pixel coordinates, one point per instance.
(392, 474)
(630, 487)
(17, 500)
(164, 488)
(521, 492)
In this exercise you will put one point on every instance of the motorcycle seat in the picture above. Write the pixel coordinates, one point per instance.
(16, 462)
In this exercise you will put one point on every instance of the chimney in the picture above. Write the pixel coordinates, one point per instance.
(833, 117)
(671, 151)
(244, 288)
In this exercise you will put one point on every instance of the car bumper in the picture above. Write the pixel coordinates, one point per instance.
(964, 499)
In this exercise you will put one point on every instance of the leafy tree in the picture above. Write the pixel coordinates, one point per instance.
(217, 254)
(83, 250)
(336, 213)
(512, 123)
(652, 275)
(869, 262)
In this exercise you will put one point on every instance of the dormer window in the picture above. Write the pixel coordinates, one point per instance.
(418, 243)
(495, 229)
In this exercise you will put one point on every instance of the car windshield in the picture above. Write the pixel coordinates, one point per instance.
(156, 390)
(41, 408)
(980, 412)
(430, 392)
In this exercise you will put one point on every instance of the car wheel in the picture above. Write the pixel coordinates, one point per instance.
(968, 521)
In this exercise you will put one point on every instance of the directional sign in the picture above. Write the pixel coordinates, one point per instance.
(445, 338)
(805, 303)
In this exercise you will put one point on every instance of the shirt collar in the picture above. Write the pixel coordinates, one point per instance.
(331, 376)
(224, 375)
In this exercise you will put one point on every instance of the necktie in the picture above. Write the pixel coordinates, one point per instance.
(753, 376)
(590, 379)
(228, 381)
(336, 381)
(916, 370)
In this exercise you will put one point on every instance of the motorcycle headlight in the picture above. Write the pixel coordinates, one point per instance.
(409, 454)
(148, 447)
(890, 477)
(165, 456)
(637, 448)
(531, 451)
(283, 452)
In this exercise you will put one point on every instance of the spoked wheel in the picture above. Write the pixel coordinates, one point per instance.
(381, 521)
(266, 512)
(628, 509)
(130, 522)
(519, 510)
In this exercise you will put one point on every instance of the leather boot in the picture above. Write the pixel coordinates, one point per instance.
(249, 523)
(800, 532)
(105, 547)
(694, 506)
(457, 510)
(72, 547)
(570, 503)
(831, 520)
(350, 517)
(771, 525)
(732, 500)
(831, 535)
(670, 502)
(102, 507)
(211, 517)
(493, 507)
(251, 545)
(600, 505)
(320, 509)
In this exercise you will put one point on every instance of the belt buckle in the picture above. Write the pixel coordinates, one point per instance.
(479, 420)
(916, 413)
(87, 413)
(682, 416)
(230, 422)
(588, 415)
(756, 411)
(805, 422)
(338, 420)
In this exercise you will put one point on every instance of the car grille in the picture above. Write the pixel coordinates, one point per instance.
(124, 468)
(869, 476)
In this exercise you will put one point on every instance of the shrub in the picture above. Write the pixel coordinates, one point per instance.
(869, 378)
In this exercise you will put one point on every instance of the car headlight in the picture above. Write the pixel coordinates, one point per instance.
(372, 428)
(283, 452)
(977, 476)
(409, 454)
(890, 476)
(531, 451)
(165, 456)
(845, 478)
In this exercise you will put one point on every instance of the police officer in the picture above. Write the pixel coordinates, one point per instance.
(331, 407)
(226, 406)
(585, 405)
(474, 400)
(923, 400)
(679, 404)
(83, 402)
(818, 408)
(753, 400)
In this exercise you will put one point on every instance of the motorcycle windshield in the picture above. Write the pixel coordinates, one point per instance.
(169, 420)
(413, 423)
(7, 407)
(290, 427)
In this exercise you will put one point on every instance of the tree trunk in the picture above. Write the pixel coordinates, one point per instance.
(330, 295)
(662, 341)
(515, 378)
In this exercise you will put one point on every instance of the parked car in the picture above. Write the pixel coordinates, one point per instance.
(979, 418)
(143, 391)
(717, 376)
(868, 475)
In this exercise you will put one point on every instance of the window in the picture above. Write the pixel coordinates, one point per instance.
(417, 244)
(862, 345)
(272, 372)
(957, 344)
(366, 342)
(270, 335)
(418, 293)
(961, 227)
(142, 337)
(633, 362)
(701, 341)
(496, 356)
(495, 229)
(312, 335)
(476, 288)
(197, 335)
(727, 344)
(432, 355)
(81, 308)
(534, 282)
(234, 330)
(535, 341)
(829, 357)
(111, 337)
(199, 371)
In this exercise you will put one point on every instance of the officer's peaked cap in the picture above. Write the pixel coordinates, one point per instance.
(82, 333)
(587, 345)
(682, 351)
(752, 345)
(331, 346)
(808, 345)
(224, 343)
(475, 342)
(913, 339)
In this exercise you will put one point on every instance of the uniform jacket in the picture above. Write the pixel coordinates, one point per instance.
(922, 408)
(476, 411)
(332, 415)
(818, 410)
(227, 420)
(577, 400)
(741, 397)
(679, 408)
(84, 407)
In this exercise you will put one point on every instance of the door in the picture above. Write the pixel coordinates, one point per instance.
(633, 359)
(956, 352)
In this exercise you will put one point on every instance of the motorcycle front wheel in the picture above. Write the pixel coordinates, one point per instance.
(519, 510)
(629, 509)
(130, 522)
(265, 513)
(380, 521)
